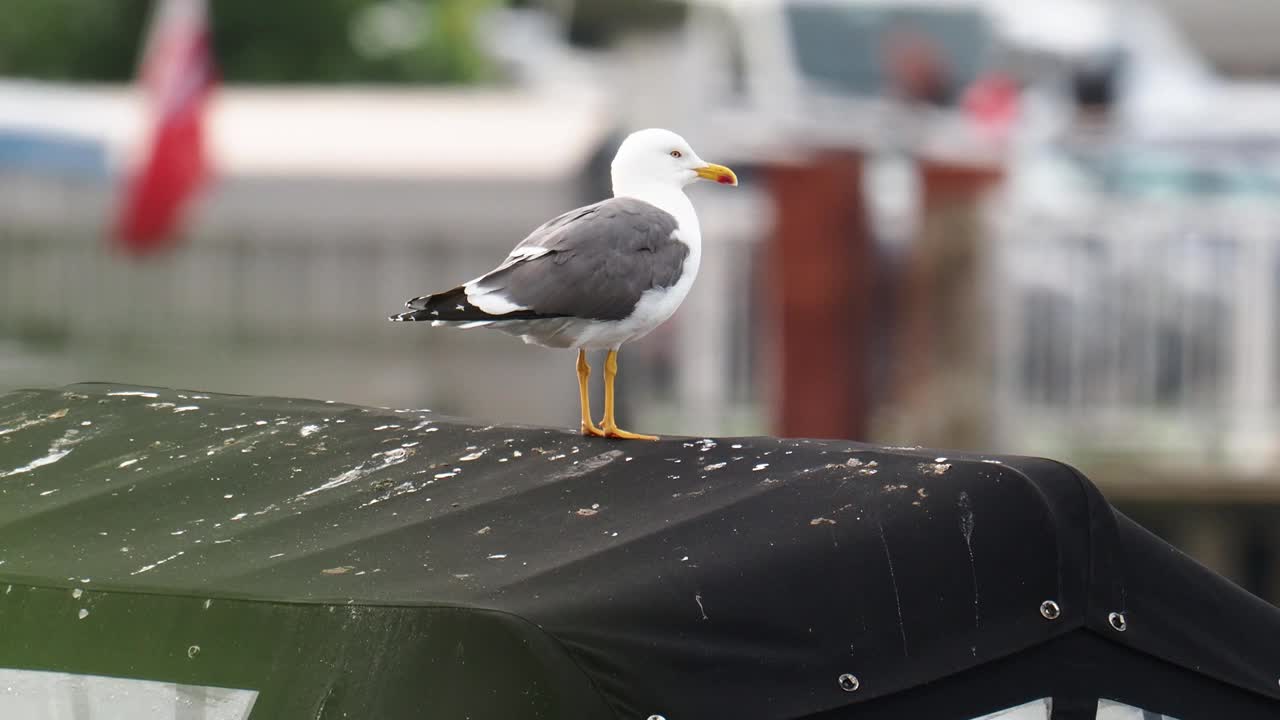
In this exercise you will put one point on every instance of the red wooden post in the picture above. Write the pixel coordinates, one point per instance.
(818, 277)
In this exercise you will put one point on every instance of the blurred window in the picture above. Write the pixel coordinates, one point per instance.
(37, 695)
(1111, 710)
(737, 50)
(730, 41)
(1042, 709)
(848, 49)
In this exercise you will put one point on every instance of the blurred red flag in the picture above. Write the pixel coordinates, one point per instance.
(177, 76)
(992, 101)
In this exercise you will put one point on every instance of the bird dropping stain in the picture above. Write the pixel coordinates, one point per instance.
(893, 579)
(966, 527)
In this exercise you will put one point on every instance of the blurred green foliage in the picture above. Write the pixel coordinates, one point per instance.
(255, 41)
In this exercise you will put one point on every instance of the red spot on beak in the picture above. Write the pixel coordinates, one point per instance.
(724, 180)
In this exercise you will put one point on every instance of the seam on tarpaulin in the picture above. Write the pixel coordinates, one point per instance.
(1082, 496)
(107, 588)
(605, 698)
(1114, 583)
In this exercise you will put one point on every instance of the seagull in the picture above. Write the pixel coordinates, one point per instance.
(597, 276)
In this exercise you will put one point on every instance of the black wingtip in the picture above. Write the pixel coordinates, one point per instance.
(424, 301)
(453, 306)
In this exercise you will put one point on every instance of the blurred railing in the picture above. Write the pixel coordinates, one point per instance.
(284, 284)
(1140, 326)
(279, 260)
(1125, 326)
(282, 287)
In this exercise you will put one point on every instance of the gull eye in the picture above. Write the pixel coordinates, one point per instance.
(676, 154)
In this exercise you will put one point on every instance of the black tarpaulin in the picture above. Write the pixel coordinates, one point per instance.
(337, 558)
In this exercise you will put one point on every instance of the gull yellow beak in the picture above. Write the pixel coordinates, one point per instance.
(717, 173)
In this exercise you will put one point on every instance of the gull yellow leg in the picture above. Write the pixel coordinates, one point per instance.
(584, 371)
(609, 425)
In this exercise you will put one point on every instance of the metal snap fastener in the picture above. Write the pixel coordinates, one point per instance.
(656, 717)
(1117, 622)
(848, 682)
(1050, 610)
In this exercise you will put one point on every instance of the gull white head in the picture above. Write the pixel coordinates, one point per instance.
(661, 158)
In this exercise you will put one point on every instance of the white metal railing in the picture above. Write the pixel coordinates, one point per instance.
(1125, 325)
(284, 285)
(1140, 325)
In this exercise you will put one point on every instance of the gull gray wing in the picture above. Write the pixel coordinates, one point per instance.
(594, 262)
